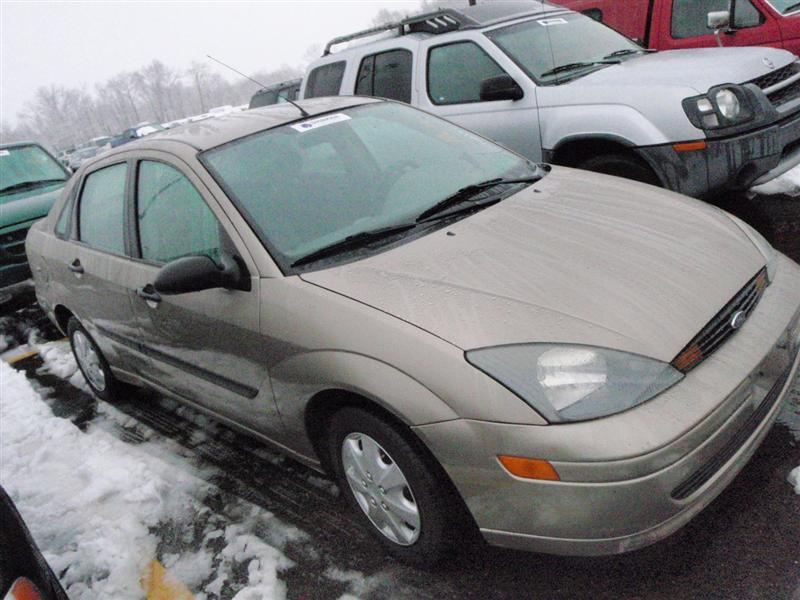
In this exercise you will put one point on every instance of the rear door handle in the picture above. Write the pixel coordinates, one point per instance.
(148, 293)
(76, 267)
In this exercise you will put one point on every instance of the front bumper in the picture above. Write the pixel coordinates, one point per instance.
(737, 162)
(632, 479)
(13, 261)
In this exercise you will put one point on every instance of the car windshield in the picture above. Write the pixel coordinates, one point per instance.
(544, 47)
(785, 6)
(23, 164)
(307, 185)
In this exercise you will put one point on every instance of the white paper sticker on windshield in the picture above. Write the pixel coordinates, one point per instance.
(320, 122)
(4, 152)
(549, 22)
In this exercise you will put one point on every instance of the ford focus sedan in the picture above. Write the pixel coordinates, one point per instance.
(568, 362)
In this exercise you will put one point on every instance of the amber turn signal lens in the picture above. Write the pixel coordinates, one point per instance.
(23, 589)
(529, 468)
(689, 146)
(689, 358)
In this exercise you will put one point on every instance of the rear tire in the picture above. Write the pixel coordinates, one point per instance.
(621, 165)
(92, 363)
(393, 488)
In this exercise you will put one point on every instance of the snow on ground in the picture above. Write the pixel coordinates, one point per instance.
(788, 183)
(790, 416)
(101, 509)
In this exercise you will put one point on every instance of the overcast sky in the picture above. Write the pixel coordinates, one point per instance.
(75, 43)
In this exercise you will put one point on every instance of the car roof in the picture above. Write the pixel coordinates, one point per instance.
(209, 133)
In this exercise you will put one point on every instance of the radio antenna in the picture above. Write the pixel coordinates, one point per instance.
(292, 102)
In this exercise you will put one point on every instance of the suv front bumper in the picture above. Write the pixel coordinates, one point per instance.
(737, 162)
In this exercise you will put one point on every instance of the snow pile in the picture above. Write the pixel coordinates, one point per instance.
(60, 361)
(99, 508)
(788, 183)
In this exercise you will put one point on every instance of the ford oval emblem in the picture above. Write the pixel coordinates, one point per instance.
(738, 319)
(768, 63)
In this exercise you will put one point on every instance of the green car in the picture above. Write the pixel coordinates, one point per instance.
(30, 181)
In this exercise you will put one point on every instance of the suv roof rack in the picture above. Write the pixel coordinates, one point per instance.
(440, 21)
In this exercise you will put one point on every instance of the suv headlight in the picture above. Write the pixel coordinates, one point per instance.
(761, 244)
(722, 107)
(575, 383)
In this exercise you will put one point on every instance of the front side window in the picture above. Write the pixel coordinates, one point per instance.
(173, 219)
(308, 185)
(62, 225)
(690, 17)
(456, 71)
(386, 75)
(101, 217)
(554, 50)
(325, 80)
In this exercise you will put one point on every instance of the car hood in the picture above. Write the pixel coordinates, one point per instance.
(698, 68)
(28, 204)
(577, 258)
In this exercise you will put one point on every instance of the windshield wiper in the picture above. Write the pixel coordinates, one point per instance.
(790, 8)
(29, 184)
(623, 52)
(578, 65)
(357, 240)
(466, 194)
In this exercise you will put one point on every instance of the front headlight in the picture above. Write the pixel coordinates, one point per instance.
(722, 107)
(575, 383)
(761, 244)
(728, 104)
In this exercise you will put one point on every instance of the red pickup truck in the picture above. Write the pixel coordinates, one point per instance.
(673, 24)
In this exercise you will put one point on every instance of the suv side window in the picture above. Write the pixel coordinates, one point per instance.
(325, 80)
(101, 212)
(172, 217)
(387, 75)
(690, 17)
(455, 72)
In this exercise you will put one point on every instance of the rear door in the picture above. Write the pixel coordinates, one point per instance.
(92, 267)
(203, 346)
(687, 25)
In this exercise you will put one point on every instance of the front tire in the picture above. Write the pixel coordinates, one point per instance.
(393, 487)
(621, 165)
(91, 362)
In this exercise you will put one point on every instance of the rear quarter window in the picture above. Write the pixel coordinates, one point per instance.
(325, 80)
(102, 208)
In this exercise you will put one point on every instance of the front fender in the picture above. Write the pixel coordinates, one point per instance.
(298, 379)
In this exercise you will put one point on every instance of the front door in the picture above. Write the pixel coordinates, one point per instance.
(204, 346)
(452, 75)
(687, 27)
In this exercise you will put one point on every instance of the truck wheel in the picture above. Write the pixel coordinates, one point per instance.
(394, 490)
(621, 165)
(92, 363)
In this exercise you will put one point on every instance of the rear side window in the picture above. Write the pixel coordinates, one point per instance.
(173, 219)
(101, 213)
(456, 71)
(325, 80)
(690, 17)
(387, 75)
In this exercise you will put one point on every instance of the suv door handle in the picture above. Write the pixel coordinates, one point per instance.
(76, 267)
(148, 293)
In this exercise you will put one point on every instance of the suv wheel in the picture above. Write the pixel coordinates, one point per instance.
(91, 362)
(395, 490)
(621, 165)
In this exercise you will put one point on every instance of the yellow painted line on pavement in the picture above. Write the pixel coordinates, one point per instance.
(159, 584)
(23, 356)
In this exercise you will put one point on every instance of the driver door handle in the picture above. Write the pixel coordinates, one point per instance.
(148, 293)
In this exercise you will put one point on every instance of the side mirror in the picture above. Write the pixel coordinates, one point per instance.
(197, 273)
(719, 20)
(501, 87)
